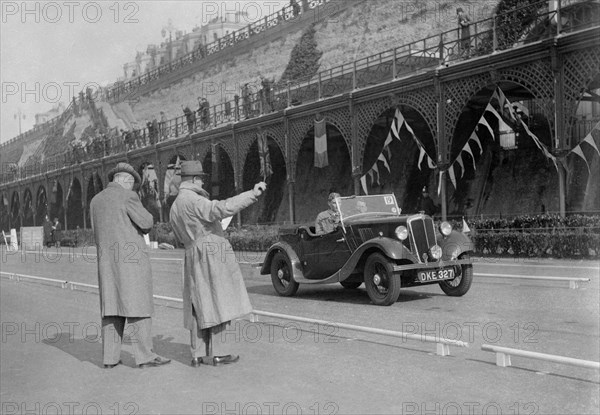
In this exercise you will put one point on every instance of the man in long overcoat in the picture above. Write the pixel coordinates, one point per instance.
(119, 221)
(214, 292)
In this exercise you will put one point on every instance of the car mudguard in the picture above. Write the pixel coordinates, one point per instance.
(391, 248)
(287, 248)
(454, 245)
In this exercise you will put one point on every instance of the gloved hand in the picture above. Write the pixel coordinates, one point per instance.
(259, 188)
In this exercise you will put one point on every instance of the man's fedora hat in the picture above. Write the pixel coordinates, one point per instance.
(191, 168)
(124, 168)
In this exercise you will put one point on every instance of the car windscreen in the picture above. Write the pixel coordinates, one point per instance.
(364, 205)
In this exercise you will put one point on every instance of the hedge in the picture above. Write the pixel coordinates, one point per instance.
(547, 235)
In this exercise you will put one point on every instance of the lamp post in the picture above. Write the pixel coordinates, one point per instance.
(169, 28)
(20, 116)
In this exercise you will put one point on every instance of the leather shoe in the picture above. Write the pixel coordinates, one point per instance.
(159, 361)
(113, 365)
(225, 360)
(196, 362)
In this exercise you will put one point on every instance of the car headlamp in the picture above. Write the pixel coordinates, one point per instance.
(401, 233)
(445, 228)
(436, 252)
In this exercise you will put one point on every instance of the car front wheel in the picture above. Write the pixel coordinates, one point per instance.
(459, 286)
(281, 275)
(382, 286)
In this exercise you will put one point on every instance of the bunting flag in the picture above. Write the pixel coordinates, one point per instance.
(265, 158)
(69, 191)
(589, 140)
(505, 112)
(465, 228)
(321, 158)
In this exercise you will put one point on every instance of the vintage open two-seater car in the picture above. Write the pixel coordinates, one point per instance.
(375, 244)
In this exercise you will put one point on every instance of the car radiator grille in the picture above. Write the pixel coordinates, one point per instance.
(422, 235)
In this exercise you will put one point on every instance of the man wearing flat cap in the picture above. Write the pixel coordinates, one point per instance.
(119, 221)
(214, 292)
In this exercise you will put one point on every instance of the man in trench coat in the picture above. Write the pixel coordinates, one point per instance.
(125, 279)
(214, 292)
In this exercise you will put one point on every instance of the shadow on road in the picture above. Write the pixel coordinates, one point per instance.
(90, 349)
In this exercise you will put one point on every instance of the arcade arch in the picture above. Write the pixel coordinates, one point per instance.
(41, 205)
(404, 177)
(481, 159)
(267, 210)
(313, 184)
(28, 219)
(75, 214)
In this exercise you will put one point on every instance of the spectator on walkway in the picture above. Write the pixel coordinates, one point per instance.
(119, 221)
(47, 226)
(56, 228)
(295, 7)
(190, 118)
(163, 125)
(464, 32)
(214, 293)
(204, 113)
(236, 99)
(266, 87)
(246, 100)
(155, 130)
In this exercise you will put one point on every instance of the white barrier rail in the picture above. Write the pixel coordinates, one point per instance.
(503, 355)
(573, 281)
(442, 344)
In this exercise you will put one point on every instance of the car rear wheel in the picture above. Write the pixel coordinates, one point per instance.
(351, 285)
(281, 275)
(461, 284)
(382, 285)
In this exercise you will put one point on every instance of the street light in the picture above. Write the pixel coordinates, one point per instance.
(169, 28)
(18, 115)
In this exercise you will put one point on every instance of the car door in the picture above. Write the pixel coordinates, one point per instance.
(323, 255)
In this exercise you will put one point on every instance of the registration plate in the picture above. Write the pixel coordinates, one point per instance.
(436, 275)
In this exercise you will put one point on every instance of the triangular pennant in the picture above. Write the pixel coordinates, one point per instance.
(430, 163)
(465, 228)
(397, 123)
(577, 150)
(491, 109)
(421, 155)
(388, 140)
(385, 162)
(590, 140)
(363, 182)
(388, 151)
(452, 176)
(462, 166)
(476, 139)
(375, 170)
(467, 148)
(483, 121)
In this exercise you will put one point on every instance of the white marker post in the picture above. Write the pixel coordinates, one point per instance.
(14, 244)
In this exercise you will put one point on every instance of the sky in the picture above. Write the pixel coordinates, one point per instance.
(51, 50)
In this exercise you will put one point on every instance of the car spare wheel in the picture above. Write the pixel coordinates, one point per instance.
(281, 275)
(461, 283)
(382, 285)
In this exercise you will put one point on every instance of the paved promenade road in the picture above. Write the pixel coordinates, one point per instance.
(50, 356)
